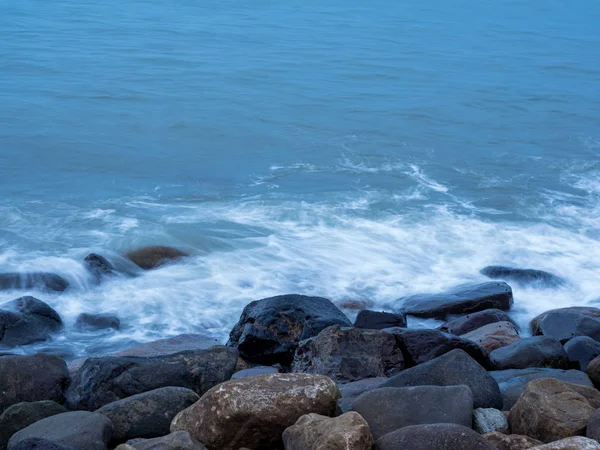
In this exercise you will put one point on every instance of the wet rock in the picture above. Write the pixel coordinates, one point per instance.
(27, 320)
(452, 369)
(180, 440)
(351, 391)
(537, 351)
(463, 299)
(254, 372)
(315, 432)
(387, 409)
(526, 277)
(260, 408)
(489, 420)
(550, 410)
(101, 381)
(511, 441)
(441, 436)
(493, 335)
(349, 354)
(94, 322)
(80, 429)
(470, 322)
(566, 323)
(572, 443)
(152, 257)
(32, 378)
(40, 444)
(270, 329)
(581, 351)
(98, 266)
(49, 282)
(378, 320)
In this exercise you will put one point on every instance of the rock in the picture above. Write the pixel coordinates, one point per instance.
(152, 257)
(27, 320)
(349, 354)
(463, 299)
(254, 372)
(440, 436)
(40, 444)
(376, 320)
(93, 322)
(315, 432)
(593, 371)
(98, 266)
(593, 426)
(512, 382)
(537, 351)
(526, 277)
(259, 408)
(80, 429)
(572, 443)
(421, 345)
(387, 409)
(566, 323)
(148, 414)
(351, 391)
(453, 368)
(550, 409)
(270, 329)
(493, 335)
(49, 282)
(180, 440)
(489, 420)
(581, 350)
(510, 441)
(22, 415)
(32, 378)
(470, 322)
(101, 381)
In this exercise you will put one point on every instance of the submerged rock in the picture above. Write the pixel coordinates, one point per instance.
(98, 266)
(27, 320)
(566, 323)
(529, 277)
(537, 351)
(152, 257)
(470, 322)
(440, 436)
(378, 320)
(94, 322)
(50, 282)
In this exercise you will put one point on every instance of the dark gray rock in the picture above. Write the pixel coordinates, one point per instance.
(512, 382)
(349, 354)
(32, 378)
(351, 391)
(152, 257)
(593, 426)
(94, 322)
(49, 282)
(27, 320)
(452, 369)
(581, 350)
(148, 414)
(40, 444)
(80, 429)
(463, 299)
(180, 440)
(443, 436)
(101, 381)
(526, 277)
(566, 323)
(537, 351)
(387, 409)
(98, 266)
(254, 372)
(470, 322)
(270, 329)
(378, 320)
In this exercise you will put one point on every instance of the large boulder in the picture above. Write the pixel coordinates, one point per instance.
(452, 369)
(27, 320)
(95, 322)
(470, 322)
(98, 266)
(536, 351)
(315, 432)
(566, 323)
(256, 409)
(581, 350)
(550, 409)
(493, 336)
(270, 329)
(489, 420)
(512, 382)
(151, 257)
(349, 354)
(101, 381)
(351, 391)
(572, 443)
(463, 299)
(387, 409)
(148, 414)
(49, 282)
(511, 441)
(440, 436)
(378, 320)
(180, 440)
(80, 429)
(528, 277)
(32, 378)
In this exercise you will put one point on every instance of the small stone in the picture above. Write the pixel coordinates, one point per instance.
(488, 420)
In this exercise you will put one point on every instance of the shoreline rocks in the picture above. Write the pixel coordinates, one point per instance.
(49, 282)
(27, 320)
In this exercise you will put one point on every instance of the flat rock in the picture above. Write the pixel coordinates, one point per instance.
(270, 329)
(349, 354)
(442, 436)
(152, 257)
(525, 277)
(315, 432)
(27, 320)
(378, 320)
(180, 440)
(351, 391)
(259, 408)
(581, 350)
(489, 420)
(536, 351)
(49, 282)
(572, 443)
(463, 299)
(94, 322)
(254, 372)
(470, 322)
(566, 323)
(387, 409)
(511, 441)
(493, 336)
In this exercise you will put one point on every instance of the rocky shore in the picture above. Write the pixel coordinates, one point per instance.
(297, 374)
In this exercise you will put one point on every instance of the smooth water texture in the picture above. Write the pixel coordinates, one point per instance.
(352, 150)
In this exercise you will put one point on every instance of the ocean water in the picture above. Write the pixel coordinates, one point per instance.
(352, 150)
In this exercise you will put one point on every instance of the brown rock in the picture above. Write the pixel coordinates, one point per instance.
(572, 443)
(593, 371)
(493, 335)
(510, 441)
(152, 257)
(314, 432)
